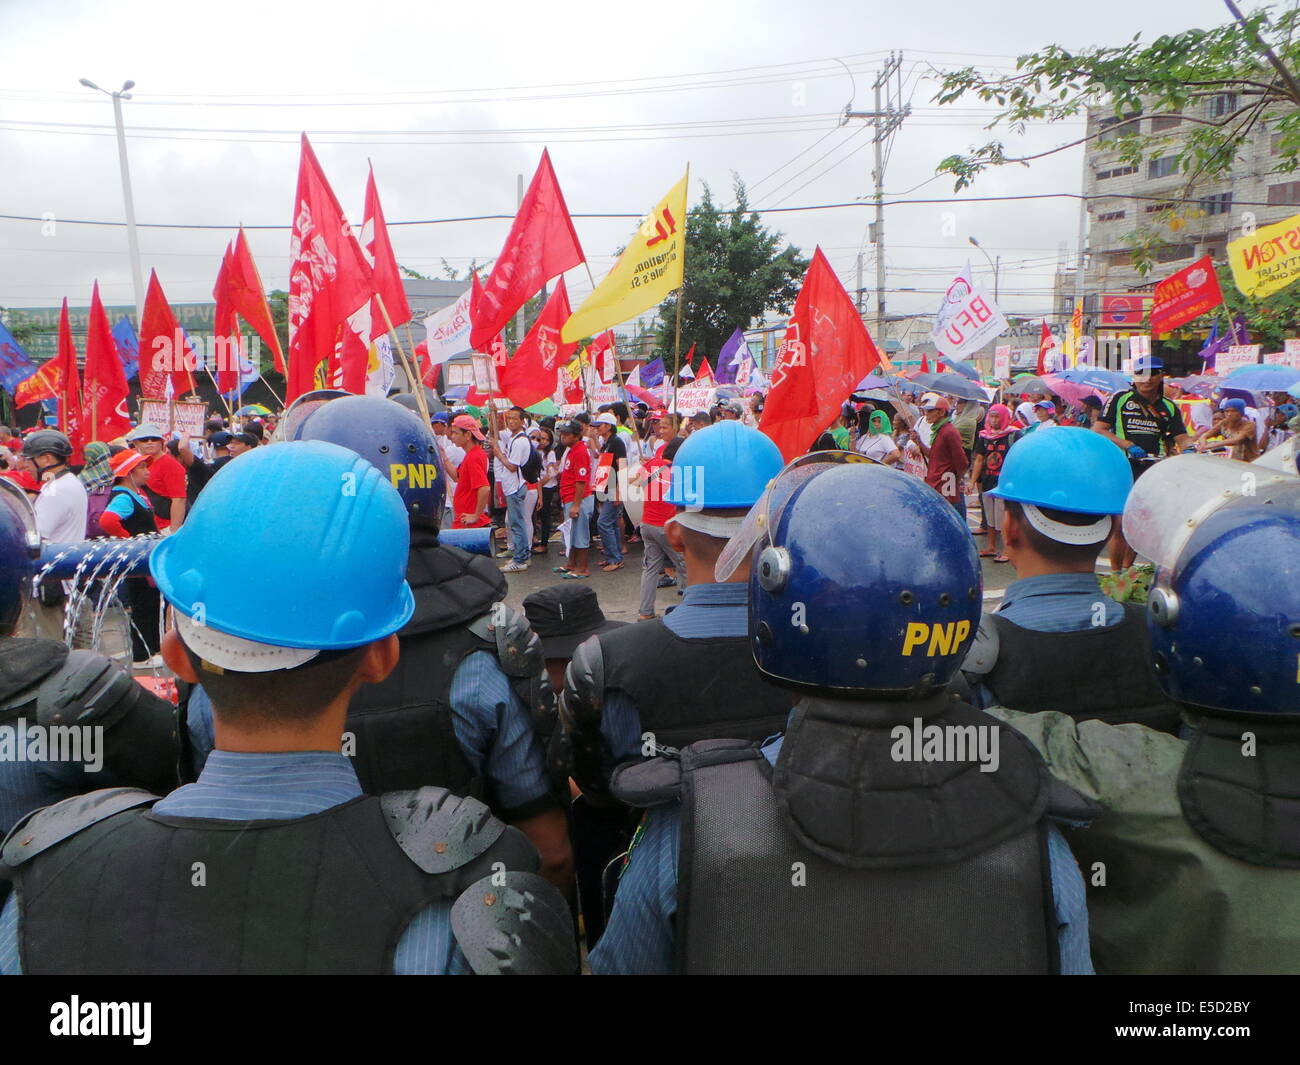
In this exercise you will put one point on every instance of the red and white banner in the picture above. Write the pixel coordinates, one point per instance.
(1188, 294)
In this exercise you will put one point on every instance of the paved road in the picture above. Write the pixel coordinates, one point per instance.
(620, 592)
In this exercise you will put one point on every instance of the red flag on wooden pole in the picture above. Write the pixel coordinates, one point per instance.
(245, 292)
(1045, 344)
(329, 278)
(164, 351)
(541, 244)
(826, 352)
(531, 375)
(386, 278)
(104, 389)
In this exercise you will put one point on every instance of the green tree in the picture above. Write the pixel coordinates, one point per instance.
(736, 270)
(1137, 80)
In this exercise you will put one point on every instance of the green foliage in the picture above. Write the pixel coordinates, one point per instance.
(20, 326)
(736, 270)
(1139, 80)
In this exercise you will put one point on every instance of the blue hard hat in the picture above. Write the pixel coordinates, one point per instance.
(1225, 618)
(1066, 468)
(723, 467)
(392, 439)
(294, 545)
(868, 582)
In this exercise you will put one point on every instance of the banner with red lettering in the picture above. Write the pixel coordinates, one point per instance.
(1188, 294)
(973, 320)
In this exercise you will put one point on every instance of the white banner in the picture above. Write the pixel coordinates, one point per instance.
(1002, 362)
(448, 331)
(379, 368)
(1290, 357)
(693, 398)
(972, 324)
(1237, 355)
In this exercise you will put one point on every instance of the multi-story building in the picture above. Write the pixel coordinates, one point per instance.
(1123, 197)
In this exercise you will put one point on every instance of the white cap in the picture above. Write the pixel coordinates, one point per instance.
(605, 419)
(145, 431)
(234, 652)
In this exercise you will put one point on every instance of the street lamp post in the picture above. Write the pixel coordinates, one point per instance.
(995, 267)
(132, 237)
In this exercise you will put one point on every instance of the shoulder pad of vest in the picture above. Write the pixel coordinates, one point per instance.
(44, 828)
(440, 831)
(1066, 804)
(983, 653)
(24, 663)
(519, 649)
(88, 687)
(650, 783)
(518, 924)
(584, 682)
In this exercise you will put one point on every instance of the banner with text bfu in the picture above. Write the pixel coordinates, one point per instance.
(648, 270)
(1267, 260)
(970, 326)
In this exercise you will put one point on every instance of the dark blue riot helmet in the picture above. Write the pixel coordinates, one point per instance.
(1225, 618)
(864, 582)
(19, 543)
(392, 439)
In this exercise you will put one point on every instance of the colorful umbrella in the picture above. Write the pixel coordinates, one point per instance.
(253, 410)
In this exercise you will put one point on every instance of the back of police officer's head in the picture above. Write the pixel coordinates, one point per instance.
(284, 617)
(1046, 536)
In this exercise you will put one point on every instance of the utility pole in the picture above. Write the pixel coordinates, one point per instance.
(886, 119)
(861, 290)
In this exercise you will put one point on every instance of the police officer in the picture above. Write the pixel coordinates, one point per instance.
(891, 828)
(1196, 866)
(1056, 642)
(469, 706)
(274, 860)
(687, 676)
(112, 730)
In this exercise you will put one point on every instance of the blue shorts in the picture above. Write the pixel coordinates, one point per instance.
(580, 529)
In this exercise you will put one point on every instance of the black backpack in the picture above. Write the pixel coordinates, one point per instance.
(531, 470)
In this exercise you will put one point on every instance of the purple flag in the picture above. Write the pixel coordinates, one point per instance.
(652, 374)
(735, 349)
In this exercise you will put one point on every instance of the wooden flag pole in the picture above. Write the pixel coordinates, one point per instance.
(618, 371)
(681, 298)
(417, 385)
(229, 412)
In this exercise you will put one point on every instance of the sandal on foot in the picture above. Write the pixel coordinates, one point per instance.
(569, 575)
(560, 570)
(1001, 558)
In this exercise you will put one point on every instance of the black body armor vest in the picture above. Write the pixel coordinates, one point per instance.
(106, 886)
(690, 690)
(141, 520)
(1092, 675)
(844, 858)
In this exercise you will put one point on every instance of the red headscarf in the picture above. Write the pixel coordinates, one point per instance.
(1008, 423)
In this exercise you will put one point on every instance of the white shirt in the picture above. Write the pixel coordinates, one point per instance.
(61, 510)
(876, 447)
(452, 457)
(517, 451)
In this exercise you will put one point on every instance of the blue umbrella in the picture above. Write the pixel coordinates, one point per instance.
(962, 367)
(951, 384)
(1266, 367)
(1264, 378)
(1294, 390)
(456, 392)
(879, 380)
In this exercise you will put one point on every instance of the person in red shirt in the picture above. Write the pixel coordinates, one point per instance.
(166, 486)
(945, 455)
(657, 474)
(469, 506)
(576, 500)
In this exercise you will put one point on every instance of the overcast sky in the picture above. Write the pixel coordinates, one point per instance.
(469, 93)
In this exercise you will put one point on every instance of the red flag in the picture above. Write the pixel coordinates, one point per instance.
(602, 354)
(530, 376)
(104, 392)
(1045, 344)
(57, 379)
(705, 371)
(329, 278)
(428, 371)
(541, 244)
(245, 292)
(826, 352)
(225, 329)
(925, 363)
(164, 350)
(1188, 294)
(387, 279)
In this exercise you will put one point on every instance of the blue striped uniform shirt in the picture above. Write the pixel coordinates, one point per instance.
(244, 786)
(641, 936)
(707, 611)
(492, 726)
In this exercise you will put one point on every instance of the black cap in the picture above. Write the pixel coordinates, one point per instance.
(569, 427)
(564, 615)
(220, 439)
(1091, 401)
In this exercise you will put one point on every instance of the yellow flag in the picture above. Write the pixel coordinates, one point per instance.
(1072, 335)
(649, 268)
(1267, 260)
